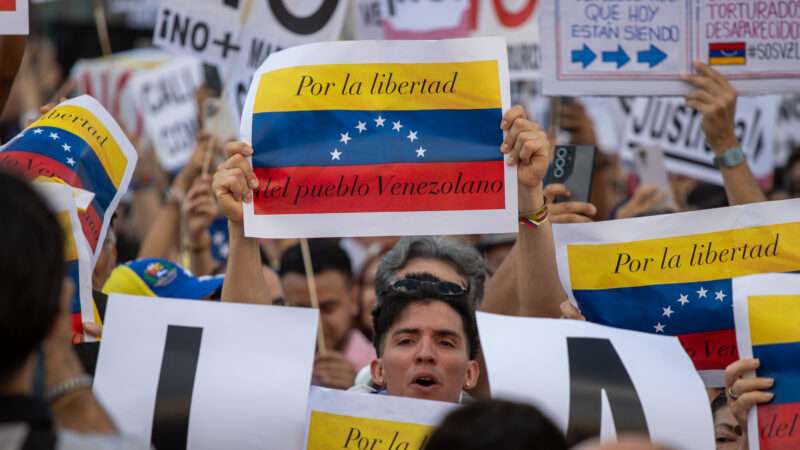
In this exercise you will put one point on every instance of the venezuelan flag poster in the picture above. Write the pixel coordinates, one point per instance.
(671, 274)
(342, 419)
(767, 311)
(77, 253)
(77, 143)
(370, 138)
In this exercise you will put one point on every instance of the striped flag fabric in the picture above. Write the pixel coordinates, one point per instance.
(76, 252)
(399, 144)
(727, 53)
(77, 143)
(766, 309)
(672, 274)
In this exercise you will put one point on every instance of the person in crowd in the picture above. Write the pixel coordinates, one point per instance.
(346, 348)
(158, 277)
(496, 424)
(727, 432)
(746, 393)
(35, 327)
(366, 293)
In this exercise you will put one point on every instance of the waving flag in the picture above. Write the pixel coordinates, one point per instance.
(767, 308)
(76, 252)
(77, 143)
(409, 130)
(672, 274)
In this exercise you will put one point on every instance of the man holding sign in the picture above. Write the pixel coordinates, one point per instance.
(526, 146)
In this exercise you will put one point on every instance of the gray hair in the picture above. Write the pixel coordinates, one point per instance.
(466, 260)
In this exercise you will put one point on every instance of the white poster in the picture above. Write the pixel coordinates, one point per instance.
(206, 375)
(594, 381)
(365, 21)
(766, 308)
(354, 420)
(517, 21)
(167, 102)
(380, 138)
(643, 48)
(13, 17)
(667, 123)
(425, 19)
(671, 274)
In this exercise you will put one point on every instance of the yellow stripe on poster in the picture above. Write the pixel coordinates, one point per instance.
(371, 87)
(683, 259)
(328, 431)
(774, 319)
(727, 61)
(70, 248)
(83, 123)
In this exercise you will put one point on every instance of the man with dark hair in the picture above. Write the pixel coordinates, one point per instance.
(426, 338)
(36, 334)
(347, 350)
(496, 424)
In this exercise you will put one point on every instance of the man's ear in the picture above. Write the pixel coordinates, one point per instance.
(376, 370)
(471, 377)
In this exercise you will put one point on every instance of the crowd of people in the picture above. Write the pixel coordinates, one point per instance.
(398, 314)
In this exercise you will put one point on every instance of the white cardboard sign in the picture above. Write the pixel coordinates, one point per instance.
(166, 100)
(235, 375)
(565, 374)
(643, 48)
(518, 22)
(425, 19)
(668, 124)
(354, 420)
(13, 17)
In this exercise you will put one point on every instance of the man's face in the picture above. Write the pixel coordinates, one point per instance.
(336, 303)
(425, 355)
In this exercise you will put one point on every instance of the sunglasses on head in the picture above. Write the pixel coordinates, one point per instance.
(423, 288)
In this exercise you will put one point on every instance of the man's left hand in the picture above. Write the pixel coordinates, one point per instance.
(715, 99)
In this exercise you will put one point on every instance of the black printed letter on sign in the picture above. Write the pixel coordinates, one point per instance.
(303, 25)
(175, 384)
(595, 366)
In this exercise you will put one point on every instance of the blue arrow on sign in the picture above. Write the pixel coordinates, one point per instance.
(653, 56)
(619, 57)
(585, 56)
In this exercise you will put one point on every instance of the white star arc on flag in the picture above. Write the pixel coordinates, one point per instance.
(345, 138)
(659, 328)
(336, 155)
(719, 295)
(421, 152)
(396, 126)
(412, 136)
(38, 131)
(379, 121)
(66, 147)
(667, 312)
(70, 161)
(684, 299)
(702, 292)
(54, 136)
(361, 127)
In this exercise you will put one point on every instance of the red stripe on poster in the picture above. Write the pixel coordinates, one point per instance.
(458, 186)
(779, 426)
(711, 350)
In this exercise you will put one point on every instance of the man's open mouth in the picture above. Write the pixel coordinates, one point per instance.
(425, 381)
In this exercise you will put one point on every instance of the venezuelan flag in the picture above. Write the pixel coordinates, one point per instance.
(679, 286)
(72, 146)
(727, 53)
(775, 335)
(378, 138)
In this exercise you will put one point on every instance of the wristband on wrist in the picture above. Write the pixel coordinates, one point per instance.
(68, 386)
(534, 219)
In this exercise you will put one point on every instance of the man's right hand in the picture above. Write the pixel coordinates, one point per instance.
(234, 181)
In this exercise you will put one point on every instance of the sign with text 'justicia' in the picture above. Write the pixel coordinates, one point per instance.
(671, 274)
(380, 138)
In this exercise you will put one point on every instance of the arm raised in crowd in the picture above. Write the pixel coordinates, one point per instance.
(233, 184)
(715, 98)
(533, 259)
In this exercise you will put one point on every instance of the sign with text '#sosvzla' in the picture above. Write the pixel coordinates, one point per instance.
(643, 48)
(597, 381)
(373, 138)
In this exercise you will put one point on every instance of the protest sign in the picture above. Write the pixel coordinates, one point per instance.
(671, 274)
(174, 372)
(76, 253)
(425, 19)
(13, 17)
(380, 138)
(766, 310)
(354, 420)
(365, 21)
(517, 21)
(596, 381)
(80, 144)
(166, 99)
(611, 48)
(668, 124)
